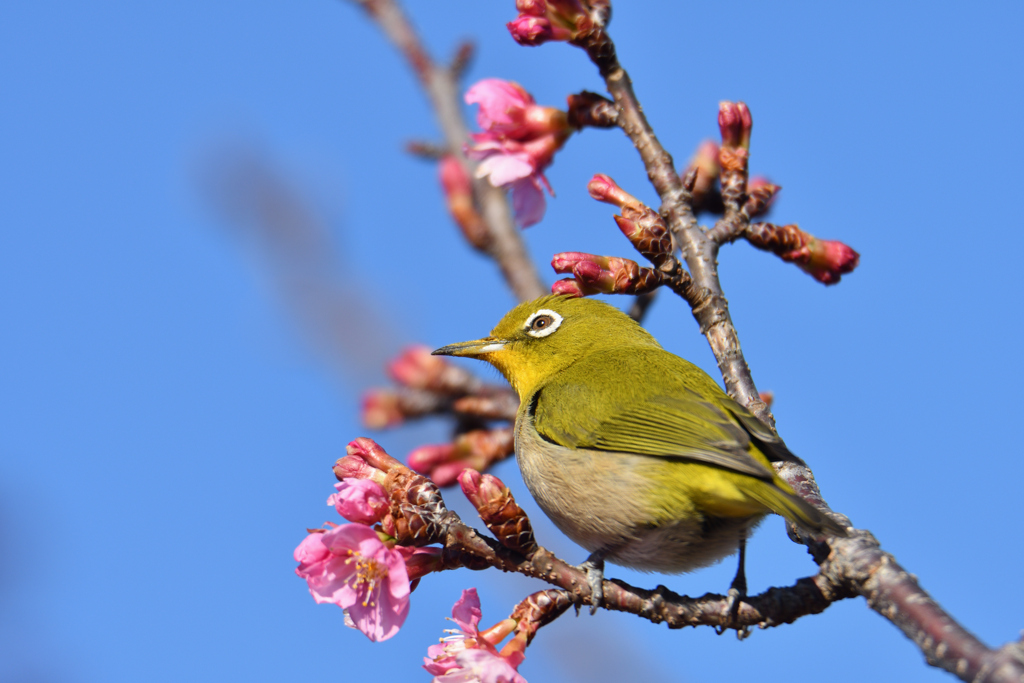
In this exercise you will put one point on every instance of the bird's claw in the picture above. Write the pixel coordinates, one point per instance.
(594, 569)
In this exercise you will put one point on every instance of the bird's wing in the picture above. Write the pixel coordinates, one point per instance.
(665, 418)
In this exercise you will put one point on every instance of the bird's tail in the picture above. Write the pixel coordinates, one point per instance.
(781, 499)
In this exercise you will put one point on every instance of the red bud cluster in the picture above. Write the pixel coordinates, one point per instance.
(641, 224)
(602, 275)
(540, 21)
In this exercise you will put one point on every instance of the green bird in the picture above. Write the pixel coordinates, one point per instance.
(634, 453)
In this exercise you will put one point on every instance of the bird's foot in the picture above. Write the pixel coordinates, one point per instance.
(737, 591)
(594, 569)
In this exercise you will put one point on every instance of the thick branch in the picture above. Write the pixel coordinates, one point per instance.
(506, 246)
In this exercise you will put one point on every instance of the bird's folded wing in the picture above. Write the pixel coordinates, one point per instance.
(678, 426)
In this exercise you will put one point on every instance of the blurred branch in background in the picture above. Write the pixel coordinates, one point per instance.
(336, 310)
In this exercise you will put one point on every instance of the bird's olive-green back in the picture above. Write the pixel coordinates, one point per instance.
(599, 381)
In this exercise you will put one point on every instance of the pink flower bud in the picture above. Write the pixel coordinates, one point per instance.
(360, 500)
(372, 453)
(568, 287)
(761, 195)
(603, 189)
(458, 192)
(482, 489)
(531, 30)
(416, 368)
(355, 466)
(542, 20)
(827, 260)
(425, 458)
(381, 409)
(735, 123)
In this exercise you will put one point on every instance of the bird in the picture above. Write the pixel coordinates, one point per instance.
(634, 453)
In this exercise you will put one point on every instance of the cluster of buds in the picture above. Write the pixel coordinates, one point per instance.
(430, 385)
(518, 143)
(427, 385)
(364, 567)
(644, 228)
(702, 175)
(641, 224)
(592, 274)
(572, 21)
(824, 260)
(477, 449)
(458, 193)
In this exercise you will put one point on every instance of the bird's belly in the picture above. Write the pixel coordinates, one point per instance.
(601, 500)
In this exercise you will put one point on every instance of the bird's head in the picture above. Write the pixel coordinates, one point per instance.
(539, 338)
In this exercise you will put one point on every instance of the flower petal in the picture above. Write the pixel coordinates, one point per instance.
(528, 203)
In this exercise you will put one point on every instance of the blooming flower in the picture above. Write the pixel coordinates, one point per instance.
(519, 141)
(480, 666)
(466, 655)
(359, 500)
(351, 567)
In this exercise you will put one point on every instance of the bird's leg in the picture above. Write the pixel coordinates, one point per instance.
(737, 591)
(593, 567)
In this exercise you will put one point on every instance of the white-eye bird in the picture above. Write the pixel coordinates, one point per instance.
(634, 453)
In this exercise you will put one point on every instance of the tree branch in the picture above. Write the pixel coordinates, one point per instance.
(711, 308)
(506, 245)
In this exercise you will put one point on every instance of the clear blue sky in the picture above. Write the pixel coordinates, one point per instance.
(167, 422)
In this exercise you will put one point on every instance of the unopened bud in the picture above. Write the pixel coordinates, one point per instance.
(498, 510)
(363, 501)
(482, 489)
(767, 397)
(416, 368)
(381, 409)
(735, 124)
(356, 467)
(604, 189)
(567, 287)
(425, 458)
(593, 110)
(760, 196)
(827, 260)
(372, 453)
(458, 192)
(606, 274)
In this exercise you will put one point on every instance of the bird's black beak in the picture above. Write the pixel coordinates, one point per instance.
(471, 349)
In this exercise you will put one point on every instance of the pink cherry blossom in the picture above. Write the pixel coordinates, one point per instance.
(466, 614)
(351, 567)
(503, 104)
(519, 141)
(480, 666)
(360, 500)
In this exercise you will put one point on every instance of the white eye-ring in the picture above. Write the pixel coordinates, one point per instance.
(542, 323)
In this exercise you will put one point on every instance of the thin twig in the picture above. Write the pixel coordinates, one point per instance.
(506, 246)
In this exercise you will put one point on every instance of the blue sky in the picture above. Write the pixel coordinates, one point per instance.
(171, 404)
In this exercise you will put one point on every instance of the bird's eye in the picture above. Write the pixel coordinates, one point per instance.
(542, 323)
